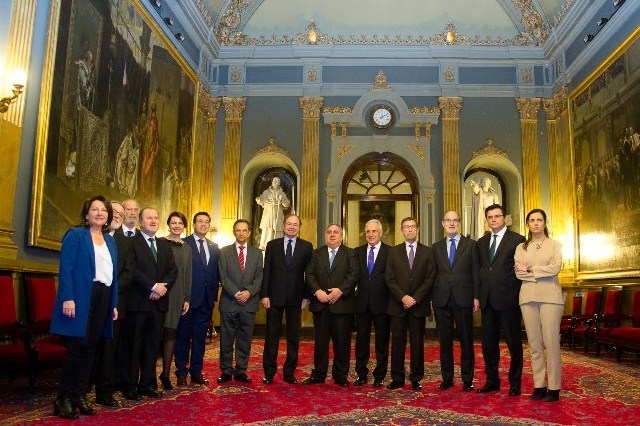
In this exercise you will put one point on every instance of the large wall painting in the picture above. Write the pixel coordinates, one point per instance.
(117, 109)
(605, 125)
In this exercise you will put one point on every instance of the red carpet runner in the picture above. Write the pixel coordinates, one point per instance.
(596, 391)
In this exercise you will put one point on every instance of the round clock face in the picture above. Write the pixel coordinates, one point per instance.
(382, 117)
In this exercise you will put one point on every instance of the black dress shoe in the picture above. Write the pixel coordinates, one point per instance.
(360, 381)
(416, 386)
(312, 380)
(267, 380)
(106, 400)
(242, 378)
(224, 378)
(514, 391)
(181, 380)
(468, 387)
(150, 392)
(538, 394)
(395, 384)
(489, 388)
(552, 396)
(63, 408)
(290, 379)
(166, 382)
(377, 383)
(342, 382)
(83, 406)
(199, 379)
(446, 384)
(131, 394)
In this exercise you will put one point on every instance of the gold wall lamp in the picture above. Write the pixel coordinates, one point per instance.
(18, 78)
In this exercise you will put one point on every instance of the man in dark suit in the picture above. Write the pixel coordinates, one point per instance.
(240, 267)
(108, 372)
(154, 273)
(372, 302)
(410, 273)
(331, 276)
(205, 281)
(454, 297)
(130, 220)
(499, 292)
(283, 291)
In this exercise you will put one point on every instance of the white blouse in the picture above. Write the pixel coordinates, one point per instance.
(104, 265)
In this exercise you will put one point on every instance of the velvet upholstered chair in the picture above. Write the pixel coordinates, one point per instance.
(610, 316)
(591, 307)
(567, 321)
(622, 338)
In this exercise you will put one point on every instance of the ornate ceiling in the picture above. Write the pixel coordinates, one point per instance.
(411, 22)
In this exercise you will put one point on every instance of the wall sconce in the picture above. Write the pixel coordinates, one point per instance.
(602, 21)
(587, 38)
(18, 78)
(312, 33)
(179, 36)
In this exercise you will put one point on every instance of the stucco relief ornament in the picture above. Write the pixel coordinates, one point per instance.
(271, 148)
(236, 74)
(380, 83)
(312, 74)
(449, 75)
(526, 75)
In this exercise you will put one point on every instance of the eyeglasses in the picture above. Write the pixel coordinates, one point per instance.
(451, 220)
(409, 226)
(497, 216)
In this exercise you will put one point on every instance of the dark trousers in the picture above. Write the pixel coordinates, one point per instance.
(190, 337)
(272, 339)
(337, 329)
(399, 328)
(236, 330)
(463, 318)
(143, 331)
(107, 371)
(493, 321)
(81, 351)
(381, 325)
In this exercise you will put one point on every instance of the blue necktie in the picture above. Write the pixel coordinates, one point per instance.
(333, 256)
(452, 252)
(412, 256)
(129, 233)
(370, 261)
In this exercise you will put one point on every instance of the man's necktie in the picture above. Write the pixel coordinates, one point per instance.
(333, 256)
(129, 233)
(153, 249)
(203, 254)
(288, 256)
(370, 261)
(241, 258)
(492, 249)
(412, 256)
(452, 252)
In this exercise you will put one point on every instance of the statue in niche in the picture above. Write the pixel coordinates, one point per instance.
(483, 197)
(273, 201)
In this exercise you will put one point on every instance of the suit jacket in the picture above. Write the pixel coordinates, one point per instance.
(234, 280)
(415, 282)
(148, 272)
(372, 292)
(499, 285)
(77, 272)
(343, 274)
(282, 284)
(126, 264)
(205, 280)
(460, 282)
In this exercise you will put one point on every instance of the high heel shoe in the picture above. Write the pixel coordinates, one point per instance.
(63, 408)
(81, 404)
(166, 382)
(538, 394)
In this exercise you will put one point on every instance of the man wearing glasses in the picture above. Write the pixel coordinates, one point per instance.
(454, 297)
(499, 292)
(409, 274)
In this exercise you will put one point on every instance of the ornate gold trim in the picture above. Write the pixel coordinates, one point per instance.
(343, 150)
(380, 83)
(528, 108)
(418, 150)
(271, 149)
(450, 107)
(337, 110)
(490, 150)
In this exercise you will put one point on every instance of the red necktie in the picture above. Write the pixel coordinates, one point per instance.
(241, 258)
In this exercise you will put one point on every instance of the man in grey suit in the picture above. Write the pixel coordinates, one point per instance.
(499, 299)
(240, 268)
(455, 297)
(410, 272)
(331, 278)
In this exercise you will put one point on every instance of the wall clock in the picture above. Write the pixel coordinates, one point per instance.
(382, 117)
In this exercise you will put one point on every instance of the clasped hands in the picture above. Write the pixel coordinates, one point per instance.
(408, 302)
(520, 267)
(242, 297)
(159, 291)
(330, 296)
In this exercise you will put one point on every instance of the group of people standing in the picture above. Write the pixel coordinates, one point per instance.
(146, 289)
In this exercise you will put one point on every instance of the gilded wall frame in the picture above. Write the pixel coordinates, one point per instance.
(117, 113)
(604, 113)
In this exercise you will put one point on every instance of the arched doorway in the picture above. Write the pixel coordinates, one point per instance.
(379, 186)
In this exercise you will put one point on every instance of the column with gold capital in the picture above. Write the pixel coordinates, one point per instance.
(233, 108)
(311, 106)
(553, 108)
(204, 145)
(528, 108)
(450, 107)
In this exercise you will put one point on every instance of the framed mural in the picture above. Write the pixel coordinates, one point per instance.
(117, 111)
(605, 125)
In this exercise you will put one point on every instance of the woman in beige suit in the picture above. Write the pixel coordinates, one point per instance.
(537, 263)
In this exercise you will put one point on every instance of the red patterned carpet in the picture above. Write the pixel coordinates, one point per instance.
(596, 391)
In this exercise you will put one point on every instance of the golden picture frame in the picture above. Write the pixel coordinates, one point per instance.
(117, 116)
